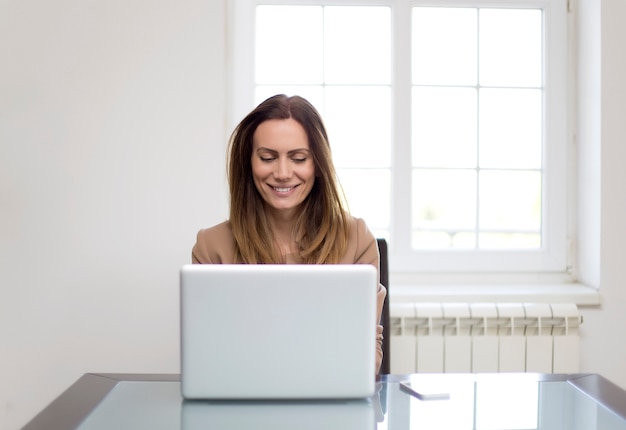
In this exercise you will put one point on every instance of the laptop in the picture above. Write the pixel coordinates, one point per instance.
(278, 331)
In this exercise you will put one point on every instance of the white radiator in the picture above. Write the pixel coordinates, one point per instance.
(484, 337)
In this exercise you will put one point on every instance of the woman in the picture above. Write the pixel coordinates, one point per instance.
(285, 202)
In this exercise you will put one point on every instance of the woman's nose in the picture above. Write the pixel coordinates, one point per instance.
(283, 170)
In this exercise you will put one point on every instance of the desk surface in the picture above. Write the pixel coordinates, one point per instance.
(459, 401)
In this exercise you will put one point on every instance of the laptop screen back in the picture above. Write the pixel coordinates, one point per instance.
(278, 331)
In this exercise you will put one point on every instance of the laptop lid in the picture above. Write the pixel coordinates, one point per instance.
(278, 331)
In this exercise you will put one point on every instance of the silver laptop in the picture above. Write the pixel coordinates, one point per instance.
(278, 331)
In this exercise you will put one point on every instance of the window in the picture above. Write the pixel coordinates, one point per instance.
(447, 123)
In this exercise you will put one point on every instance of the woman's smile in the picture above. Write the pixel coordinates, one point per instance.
(283, 190)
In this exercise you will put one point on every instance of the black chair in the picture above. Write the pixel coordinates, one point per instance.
(385, 367)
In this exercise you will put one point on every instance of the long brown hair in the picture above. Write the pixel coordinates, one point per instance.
(321, 227)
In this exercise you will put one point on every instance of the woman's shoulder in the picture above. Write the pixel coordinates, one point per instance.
(359, 229)
(221, 229)
(362, 247)
(214, 244)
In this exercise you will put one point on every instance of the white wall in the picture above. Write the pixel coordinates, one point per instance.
(112, 135)
(111, 158)
(602, 110)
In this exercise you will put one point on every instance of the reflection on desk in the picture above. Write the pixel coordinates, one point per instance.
(474, 401)
(500, 401)
(357, 414)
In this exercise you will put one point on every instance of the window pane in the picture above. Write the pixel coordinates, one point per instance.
(368, 195)
(289, 45)
(357, 45)
(444, 201)
(510, 47)
(444, 122)
(444, 46)
(359, 125)
(510, 128)
(510, 200)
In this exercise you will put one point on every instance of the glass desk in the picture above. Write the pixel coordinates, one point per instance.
(449, 401)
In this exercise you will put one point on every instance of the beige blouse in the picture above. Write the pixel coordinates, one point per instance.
(215, 245)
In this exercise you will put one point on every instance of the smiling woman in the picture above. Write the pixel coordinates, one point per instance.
(270, 225)
(285, 201)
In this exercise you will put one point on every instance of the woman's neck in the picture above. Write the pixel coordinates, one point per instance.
(283, 232)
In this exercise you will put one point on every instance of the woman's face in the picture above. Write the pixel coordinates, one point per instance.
(282, 164)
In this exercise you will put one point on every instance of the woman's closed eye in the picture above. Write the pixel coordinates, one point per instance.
(269, 158)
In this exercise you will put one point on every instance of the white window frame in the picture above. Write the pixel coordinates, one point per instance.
(553, 261)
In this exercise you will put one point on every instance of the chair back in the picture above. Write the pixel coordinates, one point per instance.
(385, 367)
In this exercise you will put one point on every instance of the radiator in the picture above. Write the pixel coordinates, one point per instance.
(484, 337)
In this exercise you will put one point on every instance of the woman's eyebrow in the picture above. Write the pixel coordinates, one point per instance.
(293, 151)
(271, 151)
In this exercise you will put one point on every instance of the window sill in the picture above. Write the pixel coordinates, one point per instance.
(575, 293)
